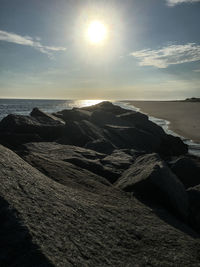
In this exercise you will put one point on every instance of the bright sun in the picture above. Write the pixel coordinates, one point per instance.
(96, 32)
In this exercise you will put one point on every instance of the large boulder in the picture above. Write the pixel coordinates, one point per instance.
(40, 115)
(46, 223)
(187, 170)
(47, 127)
(131, 137)
(150, 177)
(79, 133)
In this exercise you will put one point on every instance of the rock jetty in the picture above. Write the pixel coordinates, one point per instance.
(96, 186)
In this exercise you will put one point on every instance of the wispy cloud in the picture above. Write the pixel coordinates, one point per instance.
(198, 70)
(29, 41)
(168, 55)
(176, 2)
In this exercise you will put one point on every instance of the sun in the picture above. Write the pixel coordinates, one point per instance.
(96, 32)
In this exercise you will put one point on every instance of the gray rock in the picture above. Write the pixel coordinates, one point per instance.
(45, 223)
(150, 177)
(57, 160)
(45, 126)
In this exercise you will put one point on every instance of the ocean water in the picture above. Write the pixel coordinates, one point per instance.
(25, 106)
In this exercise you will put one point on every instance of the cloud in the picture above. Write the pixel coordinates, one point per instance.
(198, 70)
(28, 41)
(176, 2)
(168, 55)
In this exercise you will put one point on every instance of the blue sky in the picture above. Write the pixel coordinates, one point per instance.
(152, 50)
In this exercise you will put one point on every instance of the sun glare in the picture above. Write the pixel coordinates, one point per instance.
(96, 32)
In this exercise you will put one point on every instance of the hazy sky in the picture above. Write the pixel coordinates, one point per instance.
(151, 51)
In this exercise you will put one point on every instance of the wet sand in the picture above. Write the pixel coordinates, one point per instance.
(184, 117)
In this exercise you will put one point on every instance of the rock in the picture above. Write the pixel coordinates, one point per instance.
(194, 208)
(101, 145)
(57, 160)
(46, 223)
(103, 126)
(106, 106)
(187, 170)
(101, 118)
(74, 114)
(119, 159)
(37, 113)
(15, 140)
(172, 146)
(79, 133)
(131, 137)
(46, 127)
(150, 177)
(133, 116)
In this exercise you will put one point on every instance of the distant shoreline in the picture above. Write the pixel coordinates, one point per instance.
(183, 115)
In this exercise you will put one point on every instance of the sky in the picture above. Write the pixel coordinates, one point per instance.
(151, 49)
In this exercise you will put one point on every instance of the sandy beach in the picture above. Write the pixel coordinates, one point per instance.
(184, 117)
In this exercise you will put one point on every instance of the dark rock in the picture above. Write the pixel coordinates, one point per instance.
(74, 226)
(73, 115)
(106, 107)
(152, 179)
(133, 116)
(101, 118)
(194, 208)
(15, 140)
(79, 133)
(131, 137)
(172, 146)
(101, 145)
(99, 127)
(187, 170)
(37, 113)
(46, 127)
(57, 160)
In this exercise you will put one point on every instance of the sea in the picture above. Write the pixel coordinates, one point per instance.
(25, 106)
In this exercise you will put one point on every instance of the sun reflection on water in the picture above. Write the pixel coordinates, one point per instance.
(85, 103)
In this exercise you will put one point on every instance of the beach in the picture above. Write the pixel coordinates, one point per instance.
(184, 117)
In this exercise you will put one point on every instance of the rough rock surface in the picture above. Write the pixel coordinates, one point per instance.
(47, 223)
(63, 199)
(152, 179)
(59, 161)
(28, 128)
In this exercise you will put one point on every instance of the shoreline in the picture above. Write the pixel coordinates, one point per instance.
(183, 117)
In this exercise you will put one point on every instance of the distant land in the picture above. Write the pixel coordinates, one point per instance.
(192, 99)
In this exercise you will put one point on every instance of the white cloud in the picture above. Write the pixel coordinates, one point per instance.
(176, 2)
(198, 70)
(168, 55)
(28, 41)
